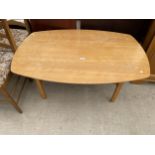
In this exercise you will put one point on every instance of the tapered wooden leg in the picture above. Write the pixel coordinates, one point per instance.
(116, 91)
(41, 88)
(9, 35)
(10, 99)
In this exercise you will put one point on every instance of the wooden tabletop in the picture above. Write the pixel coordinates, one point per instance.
(81, 57)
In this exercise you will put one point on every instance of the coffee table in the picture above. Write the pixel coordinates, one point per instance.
(81, 57)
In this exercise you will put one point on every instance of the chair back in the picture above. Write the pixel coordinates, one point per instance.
(7, 35)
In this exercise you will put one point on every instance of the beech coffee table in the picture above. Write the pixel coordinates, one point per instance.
(81, 57)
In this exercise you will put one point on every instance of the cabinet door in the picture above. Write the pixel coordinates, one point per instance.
(136, 27)
(149, 36)
(51, 24)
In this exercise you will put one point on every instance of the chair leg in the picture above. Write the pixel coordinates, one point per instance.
(116, 91)
(10, 99)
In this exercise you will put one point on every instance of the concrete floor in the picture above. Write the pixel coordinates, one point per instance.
(77, 109)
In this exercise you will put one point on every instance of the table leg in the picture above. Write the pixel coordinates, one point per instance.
(41, 88)
(116, 91)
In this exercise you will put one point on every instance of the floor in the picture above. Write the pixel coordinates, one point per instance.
(82, 109)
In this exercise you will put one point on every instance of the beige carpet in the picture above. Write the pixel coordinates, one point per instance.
(76, 109)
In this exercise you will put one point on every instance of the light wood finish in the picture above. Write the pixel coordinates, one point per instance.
(41, 90)
(151, 56)
(9, 35)
(81, 57)
(116, 91)
(10, 99)
(3, 89)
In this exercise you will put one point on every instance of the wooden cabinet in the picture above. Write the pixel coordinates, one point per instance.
(136, 27)
(149, 46)
(151, 57)
(51, 24)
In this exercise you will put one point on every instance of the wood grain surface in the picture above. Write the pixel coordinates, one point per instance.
(81, 57)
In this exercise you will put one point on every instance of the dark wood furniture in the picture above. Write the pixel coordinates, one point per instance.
(136, 27)
(149, 36)
(51, 24)
(151, 57)
(149, 46)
